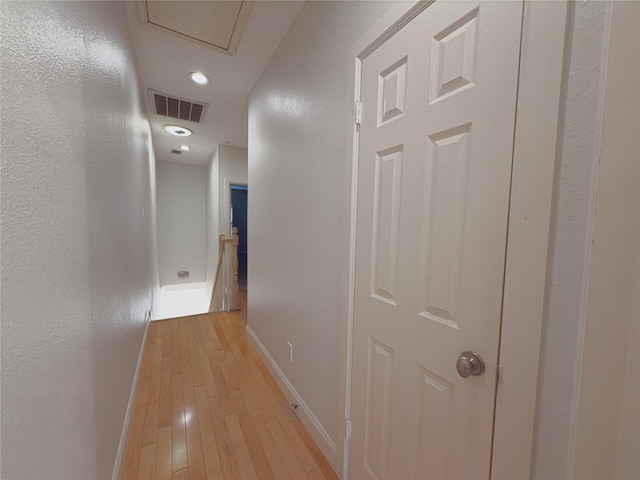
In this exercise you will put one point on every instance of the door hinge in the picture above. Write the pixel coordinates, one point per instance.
(358, 112)
(348, 429)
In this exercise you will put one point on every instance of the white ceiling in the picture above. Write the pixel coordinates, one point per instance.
(165, 60)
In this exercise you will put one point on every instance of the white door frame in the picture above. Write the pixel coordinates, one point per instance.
(227, 202)
(537, 111)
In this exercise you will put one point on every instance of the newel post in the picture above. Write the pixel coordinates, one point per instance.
(235, 295)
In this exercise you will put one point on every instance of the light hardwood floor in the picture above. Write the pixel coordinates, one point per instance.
(206, 407)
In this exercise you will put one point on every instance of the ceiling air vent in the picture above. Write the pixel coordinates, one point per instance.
(176, 152)
(175, 107)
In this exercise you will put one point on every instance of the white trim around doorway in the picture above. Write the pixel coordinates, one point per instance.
(227, 202)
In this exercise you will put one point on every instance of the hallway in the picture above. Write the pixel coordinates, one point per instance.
(207, 407)
(91, 161)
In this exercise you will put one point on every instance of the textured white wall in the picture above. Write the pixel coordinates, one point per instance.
(570, 237)
(181, 222)
(608, 427)
(76, 256)
(297, 115)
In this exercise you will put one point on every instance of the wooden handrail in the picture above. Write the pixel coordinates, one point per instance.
(233, 290)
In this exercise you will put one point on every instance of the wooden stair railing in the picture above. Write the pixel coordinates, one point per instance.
(226, 291)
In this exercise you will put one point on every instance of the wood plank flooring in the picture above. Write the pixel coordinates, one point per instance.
(206, 407)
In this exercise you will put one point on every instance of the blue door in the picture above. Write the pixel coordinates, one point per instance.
(239, 220)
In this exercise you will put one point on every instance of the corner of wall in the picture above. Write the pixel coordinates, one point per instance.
(153, 227)
(211, 212)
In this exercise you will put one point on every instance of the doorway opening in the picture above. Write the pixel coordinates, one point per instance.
(238, 216)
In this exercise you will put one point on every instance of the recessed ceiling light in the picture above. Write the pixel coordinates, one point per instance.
(185, 148)
(199, 77)
(176, 130)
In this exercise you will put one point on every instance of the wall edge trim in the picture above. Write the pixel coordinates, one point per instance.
(124, 436)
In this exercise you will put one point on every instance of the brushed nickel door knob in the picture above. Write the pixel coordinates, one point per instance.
(469, 363)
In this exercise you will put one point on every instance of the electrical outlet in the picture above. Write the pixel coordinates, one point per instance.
(290, 351)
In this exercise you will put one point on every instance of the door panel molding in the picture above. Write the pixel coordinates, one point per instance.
(542, 54)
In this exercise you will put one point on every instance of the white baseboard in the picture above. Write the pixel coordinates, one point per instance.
(306, 416)
(122, 447)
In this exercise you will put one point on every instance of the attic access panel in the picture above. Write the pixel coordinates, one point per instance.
(215, 24)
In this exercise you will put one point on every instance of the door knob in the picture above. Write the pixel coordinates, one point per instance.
(469, 363)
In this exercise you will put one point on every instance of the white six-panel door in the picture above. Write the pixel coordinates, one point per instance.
(434, 175)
